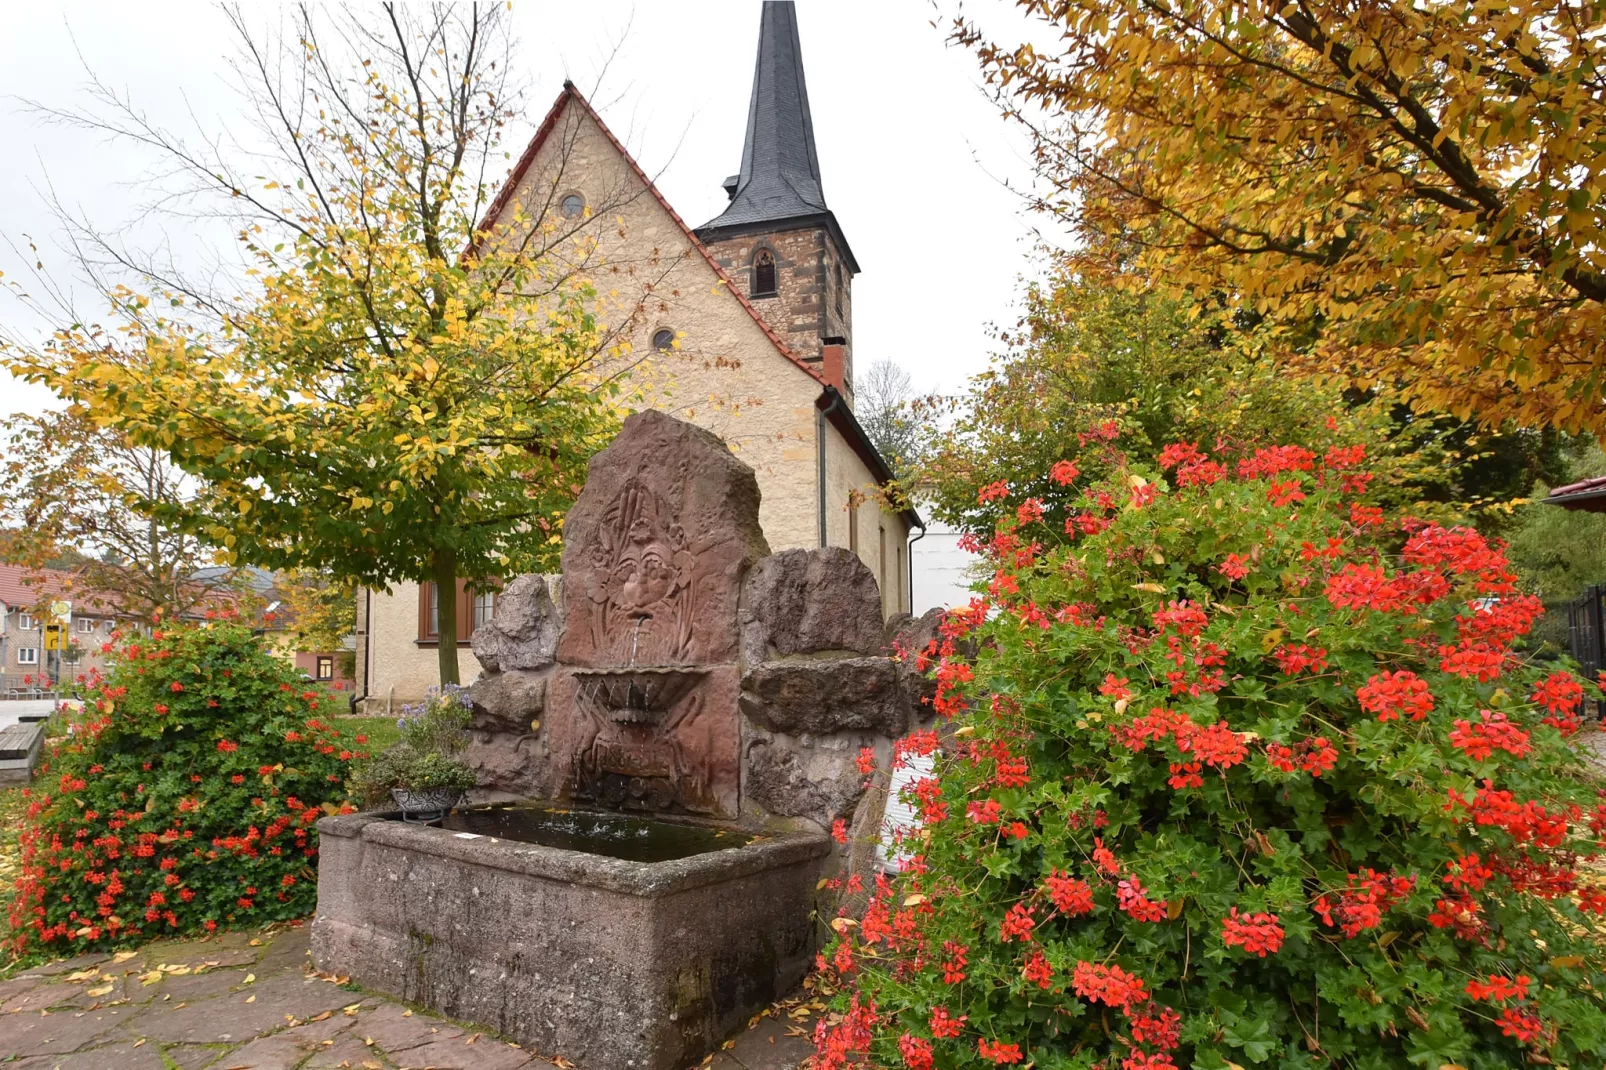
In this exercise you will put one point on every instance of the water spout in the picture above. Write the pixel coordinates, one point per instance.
(635, 639)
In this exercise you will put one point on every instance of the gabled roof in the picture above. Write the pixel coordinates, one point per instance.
(26, 588)
(829, 401)
(570, 95)
(779, 184)
(1588, 495)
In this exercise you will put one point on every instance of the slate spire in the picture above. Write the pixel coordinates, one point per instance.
(780, 178)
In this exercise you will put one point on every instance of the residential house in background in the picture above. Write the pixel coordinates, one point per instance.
(259, 595)
(748, 326)
(25, 596)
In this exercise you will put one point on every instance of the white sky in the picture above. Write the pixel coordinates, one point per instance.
(913, 156)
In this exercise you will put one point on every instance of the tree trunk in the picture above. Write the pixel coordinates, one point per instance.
(445, 568)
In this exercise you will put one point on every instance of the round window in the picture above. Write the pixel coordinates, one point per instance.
(663, 338)
(572, 206)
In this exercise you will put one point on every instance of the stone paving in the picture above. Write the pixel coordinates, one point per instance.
(251, 1001)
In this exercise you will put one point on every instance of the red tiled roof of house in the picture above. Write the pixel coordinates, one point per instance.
(26, 587)
(1581, 487)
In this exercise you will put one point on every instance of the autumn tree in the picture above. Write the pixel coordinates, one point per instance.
(318, 607)
(889, 409)
(68, 504)
(1408, 192)
(1089, 350)
(393, 394)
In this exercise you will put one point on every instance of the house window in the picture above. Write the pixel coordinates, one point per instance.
(26, 622)
(903, 605)
(86, 624)
(472, 610)
(881, 566)
(326, 667)
(572, 206)
(484, 608)
(27, 655)
(109, 626)
(853, 525)
(841, 292)
(432, 612)
(764, 274)
(663, 339)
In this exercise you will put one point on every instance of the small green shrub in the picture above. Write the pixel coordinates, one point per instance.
(182, 799)
(1241, 776)
(433, 734)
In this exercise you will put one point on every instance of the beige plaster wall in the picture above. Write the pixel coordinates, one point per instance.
(725, 373)
(402, 669)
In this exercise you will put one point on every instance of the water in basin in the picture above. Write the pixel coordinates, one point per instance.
(598, 832)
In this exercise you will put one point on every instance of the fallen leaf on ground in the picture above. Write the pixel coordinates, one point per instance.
(101, 991)
(249, 978)
(124, 956)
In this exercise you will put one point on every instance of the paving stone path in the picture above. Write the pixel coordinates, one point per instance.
(251, 1001)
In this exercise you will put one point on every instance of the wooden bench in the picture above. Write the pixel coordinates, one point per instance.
(20, 747)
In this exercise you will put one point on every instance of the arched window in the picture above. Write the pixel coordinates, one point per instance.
(663, 339)
(572, 206)
(764, 274)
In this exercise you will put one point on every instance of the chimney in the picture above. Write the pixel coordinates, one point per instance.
(834, 363)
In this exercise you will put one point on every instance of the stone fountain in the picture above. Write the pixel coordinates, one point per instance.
(664, 736)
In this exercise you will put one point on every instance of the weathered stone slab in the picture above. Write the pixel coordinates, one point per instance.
(820, 782)
(806, 601)
(821, 695)
(511, 765)
(506, 702)
(910, 638)
(655, 549)
(523, 634)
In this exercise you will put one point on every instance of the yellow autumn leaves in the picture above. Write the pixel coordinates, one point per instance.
(1406, 193)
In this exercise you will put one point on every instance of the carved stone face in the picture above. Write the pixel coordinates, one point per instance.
(645, 574)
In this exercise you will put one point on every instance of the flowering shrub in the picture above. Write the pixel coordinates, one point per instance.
(183, 799)
(1239, 775)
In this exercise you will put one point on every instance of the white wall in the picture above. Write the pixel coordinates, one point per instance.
(941, 569)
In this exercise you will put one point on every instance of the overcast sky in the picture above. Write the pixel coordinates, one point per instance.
(914, 158)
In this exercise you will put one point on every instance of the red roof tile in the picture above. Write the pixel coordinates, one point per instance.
(27, 587)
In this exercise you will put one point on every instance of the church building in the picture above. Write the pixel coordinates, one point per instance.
(743, 325)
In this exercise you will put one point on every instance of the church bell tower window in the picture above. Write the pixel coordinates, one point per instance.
(763, 274)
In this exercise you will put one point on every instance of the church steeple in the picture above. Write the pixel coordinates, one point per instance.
(778, 235)
(780, 176)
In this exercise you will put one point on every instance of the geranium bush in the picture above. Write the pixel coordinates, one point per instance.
(1240, 774)
(183, 798)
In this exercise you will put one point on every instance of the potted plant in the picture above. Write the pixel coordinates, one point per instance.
(421, 772)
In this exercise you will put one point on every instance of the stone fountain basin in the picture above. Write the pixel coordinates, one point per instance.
(609, 962)
(637, 696)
